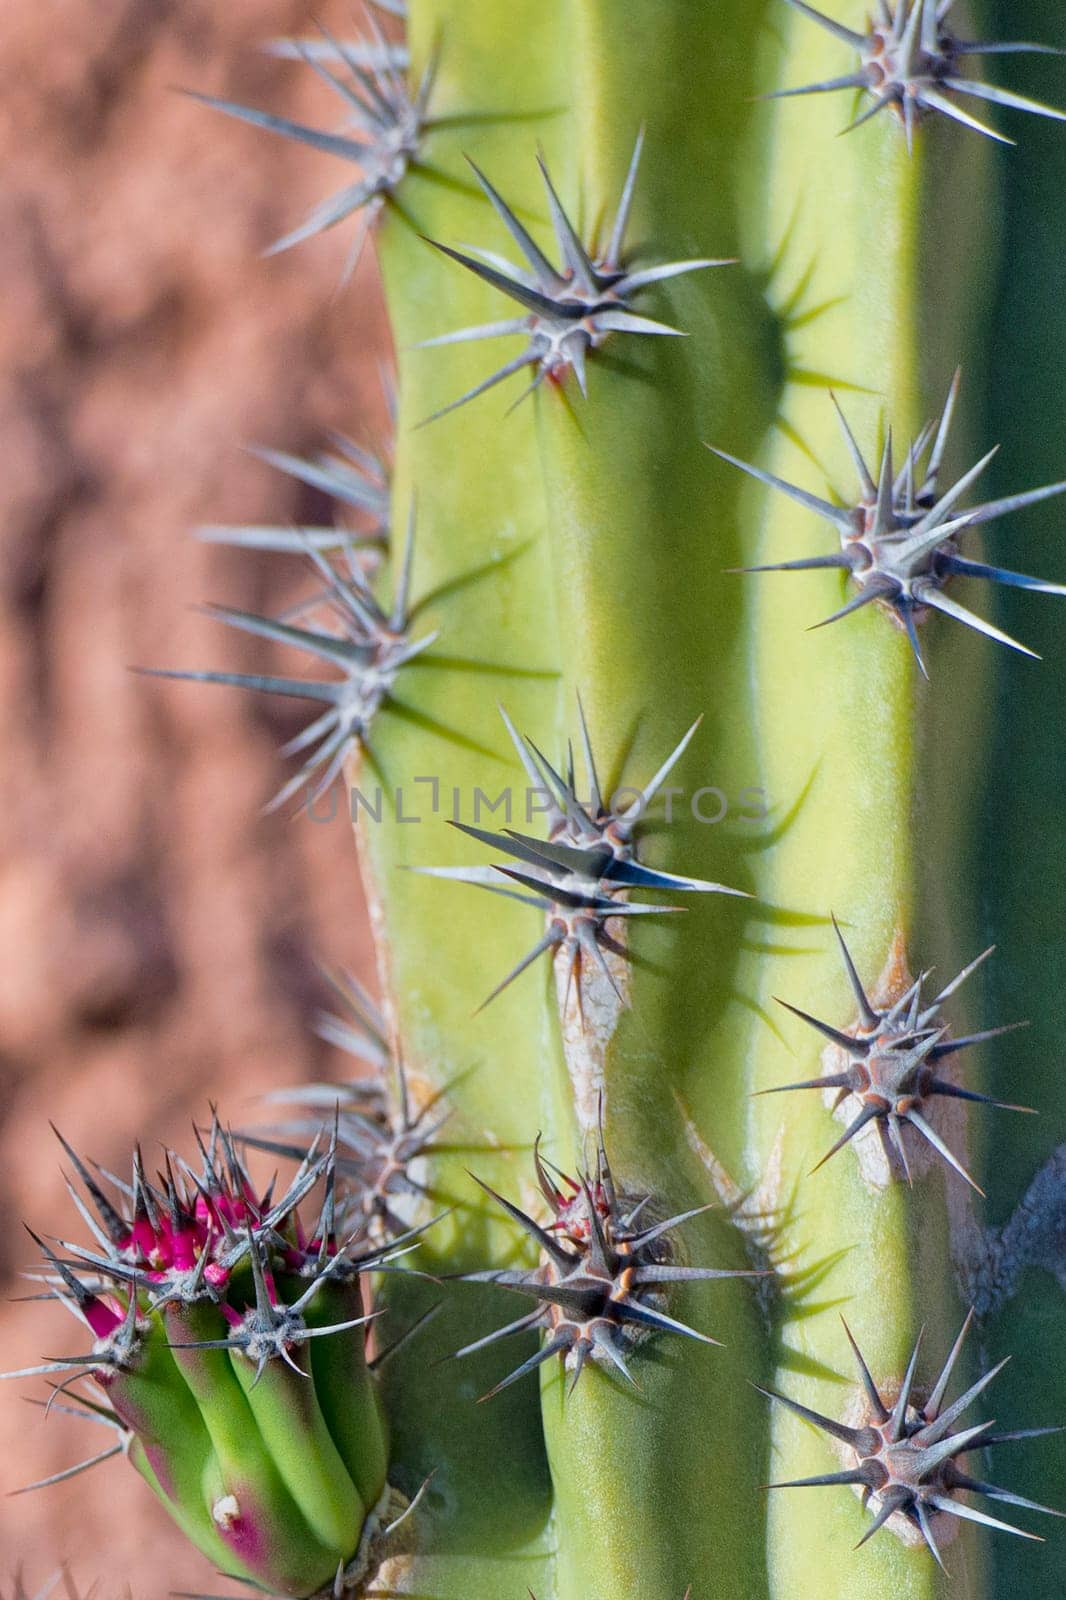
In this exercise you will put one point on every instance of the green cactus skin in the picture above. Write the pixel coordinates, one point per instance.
(583, 550)
(653, 641)
(294, 1431)
(638, 527)
(882, 1256)
(496, 515)
(152, 1400)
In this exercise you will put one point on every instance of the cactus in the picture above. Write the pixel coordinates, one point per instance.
(820, 835)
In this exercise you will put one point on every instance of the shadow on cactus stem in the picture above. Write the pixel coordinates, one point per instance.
(790, 296)
(764, 1220)
(569, 310)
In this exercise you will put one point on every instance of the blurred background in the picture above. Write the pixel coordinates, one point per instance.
(158, 935)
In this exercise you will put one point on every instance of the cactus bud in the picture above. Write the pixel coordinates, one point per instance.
(229, 1339)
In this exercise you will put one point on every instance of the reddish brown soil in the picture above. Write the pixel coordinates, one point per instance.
(157, 934)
